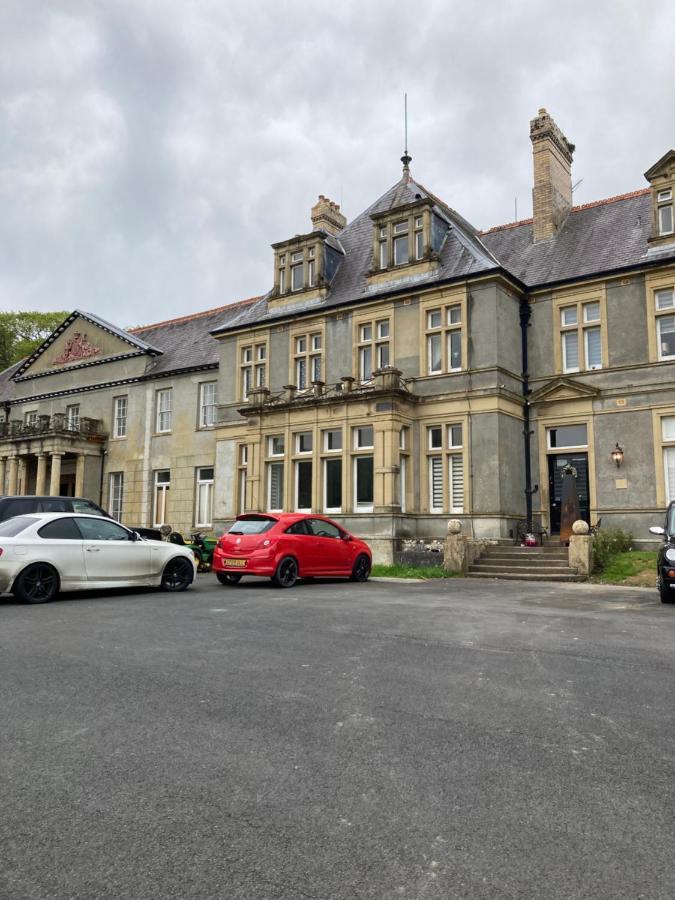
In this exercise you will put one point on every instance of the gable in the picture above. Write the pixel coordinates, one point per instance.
(563, 389)
(81, 340)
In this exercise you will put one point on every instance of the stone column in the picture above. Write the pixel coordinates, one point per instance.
(21, 475)
(12, 475)
(55, 479)
(41, 480)
(3, 465)
(79, 475)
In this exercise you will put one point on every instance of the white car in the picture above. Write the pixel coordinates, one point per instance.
(44, 553)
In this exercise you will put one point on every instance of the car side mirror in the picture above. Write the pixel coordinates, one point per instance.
(346, 537)
(135, 536)
(656, 529)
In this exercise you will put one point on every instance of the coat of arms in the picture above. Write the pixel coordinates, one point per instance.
(77, 348)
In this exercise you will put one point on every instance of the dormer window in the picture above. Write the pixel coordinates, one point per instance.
(306, 263)
(664, 202)
(406, 236)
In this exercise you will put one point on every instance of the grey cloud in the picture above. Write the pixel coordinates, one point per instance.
(151, 151)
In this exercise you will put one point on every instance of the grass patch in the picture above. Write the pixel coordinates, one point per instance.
(409, 572)
(636, 567)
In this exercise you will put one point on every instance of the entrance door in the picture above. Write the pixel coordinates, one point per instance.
(556, 464)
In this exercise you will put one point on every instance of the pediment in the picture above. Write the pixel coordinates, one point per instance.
(563, 389)
(81, 340)
(664, 166)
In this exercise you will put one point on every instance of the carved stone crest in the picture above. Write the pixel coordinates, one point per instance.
(77, 348)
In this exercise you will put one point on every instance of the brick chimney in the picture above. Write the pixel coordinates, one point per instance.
(552, 191)
(326, 216)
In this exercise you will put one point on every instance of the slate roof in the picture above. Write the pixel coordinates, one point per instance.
(597, 237)
(463, 253)
(186, 342)
(600, 237)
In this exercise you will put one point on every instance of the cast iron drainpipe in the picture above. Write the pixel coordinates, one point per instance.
(525, 313)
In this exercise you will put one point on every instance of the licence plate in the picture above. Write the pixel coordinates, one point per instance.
(234, 562)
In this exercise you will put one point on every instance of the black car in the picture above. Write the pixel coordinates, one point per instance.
(21, 505)
(665, 561)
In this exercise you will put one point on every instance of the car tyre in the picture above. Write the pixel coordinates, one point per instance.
(287, 573)
(38, 583)
(228, 578)
(667, 596)
(361, 570)
(177, 575)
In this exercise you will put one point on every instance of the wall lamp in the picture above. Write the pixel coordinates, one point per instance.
(617, 455)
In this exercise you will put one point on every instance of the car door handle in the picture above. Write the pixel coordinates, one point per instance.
(93, 549)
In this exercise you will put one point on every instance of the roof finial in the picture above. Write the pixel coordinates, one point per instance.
(406, 159)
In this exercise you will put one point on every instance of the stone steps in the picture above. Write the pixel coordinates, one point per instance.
(547, 563)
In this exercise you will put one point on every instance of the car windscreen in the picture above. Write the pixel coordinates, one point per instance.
(252, 526)
(15, 526)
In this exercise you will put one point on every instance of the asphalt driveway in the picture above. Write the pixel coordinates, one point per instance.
(454, 739)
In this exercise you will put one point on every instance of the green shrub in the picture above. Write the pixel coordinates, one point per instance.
(607, 544)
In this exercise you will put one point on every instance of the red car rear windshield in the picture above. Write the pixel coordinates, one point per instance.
(256, 525)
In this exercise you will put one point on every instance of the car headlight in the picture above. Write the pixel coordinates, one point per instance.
(670, 554)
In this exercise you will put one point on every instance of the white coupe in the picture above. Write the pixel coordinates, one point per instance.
(45, 553)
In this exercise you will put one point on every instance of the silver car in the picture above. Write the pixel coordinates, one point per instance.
(44, 553)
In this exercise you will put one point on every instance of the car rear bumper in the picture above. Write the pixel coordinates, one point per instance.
(253, 565)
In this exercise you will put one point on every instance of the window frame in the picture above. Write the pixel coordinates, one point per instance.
(252, 356)
(443, 334)
(581, 325)
(440, 461)
(202, 481)
(161, 489)
(73, 417)
(167, 410)
(116, 494)
(204, 406)
(307, 356)
(377, 347)
(120, 432)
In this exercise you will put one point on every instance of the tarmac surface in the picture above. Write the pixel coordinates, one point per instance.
(452, 739)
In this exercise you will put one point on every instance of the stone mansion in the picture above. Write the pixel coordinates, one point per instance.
(402, 369)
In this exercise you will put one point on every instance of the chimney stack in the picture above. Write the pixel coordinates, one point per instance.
(326, 216)
(552, 191)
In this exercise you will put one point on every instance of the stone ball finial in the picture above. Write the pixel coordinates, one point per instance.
(580, 527)
(454, 526)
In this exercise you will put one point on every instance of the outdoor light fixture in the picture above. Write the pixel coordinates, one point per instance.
(617, 455)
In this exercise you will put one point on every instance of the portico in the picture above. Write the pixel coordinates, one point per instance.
(49, 458)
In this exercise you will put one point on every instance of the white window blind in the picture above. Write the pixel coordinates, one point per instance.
(436, 483)
(456, 484)
(593, 348)
(571, 351)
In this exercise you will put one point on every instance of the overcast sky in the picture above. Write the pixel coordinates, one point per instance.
(152, 150)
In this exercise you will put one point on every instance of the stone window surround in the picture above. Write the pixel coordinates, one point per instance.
(254, 341)
(310, 246)
(445, 451)
(203, 407)
(162, 408)
(580, 299)
(318, 455)
(119, 431)
(372, 317)
(306, 330)
(662, 444)
(443, 302)
(654, 284)
(384, 234)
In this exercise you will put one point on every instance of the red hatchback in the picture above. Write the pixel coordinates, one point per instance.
(288, 546)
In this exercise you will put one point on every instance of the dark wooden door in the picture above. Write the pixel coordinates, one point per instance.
(556, 464)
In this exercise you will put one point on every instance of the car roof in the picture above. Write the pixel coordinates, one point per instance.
(280, 517)
(46, 516)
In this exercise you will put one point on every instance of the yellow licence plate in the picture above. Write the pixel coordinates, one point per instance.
(234, 562)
